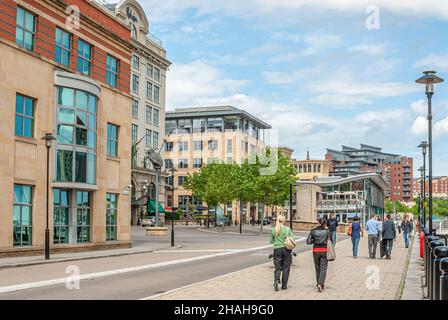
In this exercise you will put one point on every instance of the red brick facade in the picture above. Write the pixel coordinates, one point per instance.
(108, 28)
(400, 179)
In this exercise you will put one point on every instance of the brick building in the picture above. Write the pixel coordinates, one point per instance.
(439, 187)
(69, 77)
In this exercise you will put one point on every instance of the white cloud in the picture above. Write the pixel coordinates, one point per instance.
(419, 106)
(397, 115)
(369, 49)
(420, 126)
(316, 42)
(186, 83)
(441, 127)
(275, 77)
(438, 62)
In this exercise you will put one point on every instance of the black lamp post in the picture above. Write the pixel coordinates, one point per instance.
(290, 206)
(48, 139)
(422, 194)
(172, 206)
(424, 145)
(429, 79)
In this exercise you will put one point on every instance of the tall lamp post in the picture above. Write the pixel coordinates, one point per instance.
(424, 145)
(429, 78)
(422, 194)
(48, 140)
(172, 205)
(290, 206)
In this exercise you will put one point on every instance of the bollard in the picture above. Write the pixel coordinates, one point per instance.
(444, 279)
(432, 245)
(435, 285)
(422, 245)
(428, 261)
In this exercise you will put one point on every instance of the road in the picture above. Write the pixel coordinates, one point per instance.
(204, 256)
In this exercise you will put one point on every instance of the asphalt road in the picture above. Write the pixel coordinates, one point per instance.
(210, 255)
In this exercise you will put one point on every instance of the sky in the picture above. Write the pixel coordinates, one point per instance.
(323, 73)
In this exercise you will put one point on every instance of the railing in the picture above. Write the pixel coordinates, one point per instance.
(339, 204)
(152, 38)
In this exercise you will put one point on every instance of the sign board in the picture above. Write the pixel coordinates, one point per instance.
(219, 216)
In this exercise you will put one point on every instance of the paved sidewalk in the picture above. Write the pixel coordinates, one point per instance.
(412, 289)
(347, 278)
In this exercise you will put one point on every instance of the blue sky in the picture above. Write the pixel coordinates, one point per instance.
(312, 69)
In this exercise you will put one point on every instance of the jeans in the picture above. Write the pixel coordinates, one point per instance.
(373, 243)
(282, 264)
(406, 239)
(333, 237)
(388, 243)
(320, 264)
(355, 242)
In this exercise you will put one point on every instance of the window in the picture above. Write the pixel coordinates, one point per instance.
(136, 62)
(150, 70)
(181, 180)
(25, 29)
(135, 83)
(155, 139)
(156, 117)
(111, 217)
(84, 57)
(76, 136)
(229, 145)
(170, 126)
(24, 121)
(168, 164)
(215, 124)
(22, 215)
(148, 137)
(169, 180)
(112, 140)
(183, 164)
(212, 144)
(63, 47)
(184, 125)
(183, 146)
(199, 125)
(112, 71)
(169, 146)
(134, 133)
(148, 90)
(197, 163)
(198, 145)
(61, 214)
(135, 108)
(83, 216)
(157, 73)
(156, 93)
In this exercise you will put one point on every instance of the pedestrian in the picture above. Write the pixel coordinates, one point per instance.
(356, 232)
(372, 228)
(389, 235)
(407, 228)
(282, 256)
(319, 237)
(332, 225)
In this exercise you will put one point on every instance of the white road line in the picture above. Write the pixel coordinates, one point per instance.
(45, 283)
(299, 239)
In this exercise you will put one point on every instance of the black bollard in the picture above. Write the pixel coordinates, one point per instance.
(444, 279)
(432, 245)
(437, 249)
(428, 262)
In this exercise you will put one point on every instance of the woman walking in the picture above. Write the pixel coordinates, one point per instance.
(282, 256)
(356, 232)
(318, 237)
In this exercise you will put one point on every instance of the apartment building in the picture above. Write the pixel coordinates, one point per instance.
(439, 187)
(148, 90)
(70, 78)
(197, 136)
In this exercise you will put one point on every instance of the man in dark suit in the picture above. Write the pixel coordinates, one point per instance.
(389, 234)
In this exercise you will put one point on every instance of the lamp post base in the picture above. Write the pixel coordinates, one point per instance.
(47, 244)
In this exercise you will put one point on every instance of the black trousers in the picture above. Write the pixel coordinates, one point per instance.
(320, 264)
(282, 263)
(388, 244)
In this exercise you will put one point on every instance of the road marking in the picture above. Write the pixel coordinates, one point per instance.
(45, 283)
(299, 239)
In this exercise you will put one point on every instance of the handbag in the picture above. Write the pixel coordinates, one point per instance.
(290, 242)
(331, 253)
(349, 232)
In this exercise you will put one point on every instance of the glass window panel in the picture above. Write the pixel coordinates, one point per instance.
(66, 40)
(27, 127)
(56, 197)
(26, 236)
(20, 17)
(67, 97)
(26, 215)
(19, 36)
(29, 107)
(91, 143)
(64, 166)
(27, 194)
(64, 198)
(18, 194)
(81, 118)
(81, 137)
(58, 36)
(91, 169)
(79, 199)
(19, 126)
(19, 104)
(29, 22)
(66, 115)
(81, 167)
(81, 99)
(16, 215)
(65, 134)
(64, 216)
(92, 104)
(57, 54)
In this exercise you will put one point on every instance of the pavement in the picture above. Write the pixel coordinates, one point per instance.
(347, 279)
(413, 289)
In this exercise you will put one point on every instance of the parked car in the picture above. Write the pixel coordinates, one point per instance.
(149, 222)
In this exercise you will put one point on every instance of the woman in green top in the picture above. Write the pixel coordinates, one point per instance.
(282, 256)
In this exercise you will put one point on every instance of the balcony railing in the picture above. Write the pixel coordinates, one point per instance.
(339, 204)
(152, 38)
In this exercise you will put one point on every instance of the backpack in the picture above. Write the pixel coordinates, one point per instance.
(290, 242)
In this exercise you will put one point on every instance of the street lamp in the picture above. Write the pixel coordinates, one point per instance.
(290, 206)
(172, 205)
(429, 79)
(48, 140)
(424, 145)
(422, 194)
